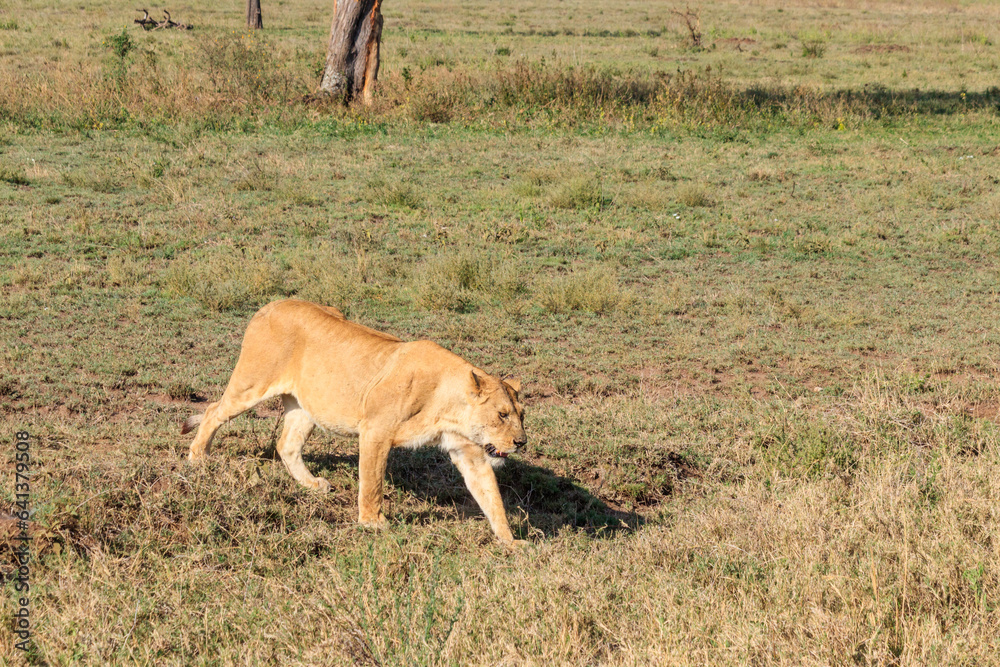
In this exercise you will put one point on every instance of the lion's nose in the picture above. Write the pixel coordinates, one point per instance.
(522, 441)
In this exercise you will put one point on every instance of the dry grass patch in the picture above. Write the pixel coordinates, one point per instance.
(29, 274)
(579, 193)
(533, 182)
(255, 175)
(463, 280)
(13, 175)
(393, 193)
(650, 196)
(225, 278)
(594, 291)
(100, 179)
(127, 270)
(326, 276)
(693, 195)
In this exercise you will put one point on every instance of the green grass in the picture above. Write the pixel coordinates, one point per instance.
(753, 305)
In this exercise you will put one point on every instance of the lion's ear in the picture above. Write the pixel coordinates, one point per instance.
(477, 387)
(514, 384)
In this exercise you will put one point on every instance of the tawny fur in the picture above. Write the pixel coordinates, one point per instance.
(348, 378)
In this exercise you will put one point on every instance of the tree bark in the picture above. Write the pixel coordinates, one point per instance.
(255, 19)
(352, 55)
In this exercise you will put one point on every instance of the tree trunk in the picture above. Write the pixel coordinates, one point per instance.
(254, 18)
(352, 54)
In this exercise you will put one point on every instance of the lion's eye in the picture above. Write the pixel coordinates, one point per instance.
(504, 415)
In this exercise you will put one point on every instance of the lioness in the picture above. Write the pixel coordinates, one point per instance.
(354, 380)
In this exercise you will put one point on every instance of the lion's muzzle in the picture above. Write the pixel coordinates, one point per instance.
(492, 451)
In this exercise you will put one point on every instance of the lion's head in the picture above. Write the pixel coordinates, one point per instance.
(497, 415)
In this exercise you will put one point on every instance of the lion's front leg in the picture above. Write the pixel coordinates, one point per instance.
(372, 458)
(482, 482)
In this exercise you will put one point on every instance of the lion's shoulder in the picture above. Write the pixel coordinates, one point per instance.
(315, 318)
(298, 309)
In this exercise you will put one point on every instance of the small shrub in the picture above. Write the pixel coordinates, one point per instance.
(535, 85)
(244, 67)
(692, 20)
(813, 49)
(78, 274)
(116, 71)
(809, 449)
(764, 175)
(710, 237)
(594, 291)
(433, 105)
(508, 280)
(120, 44)
(158, 168)
(181, 391)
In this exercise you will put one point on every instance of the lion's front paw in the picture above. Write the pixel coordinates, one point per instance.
(321, 485)
(377, 523)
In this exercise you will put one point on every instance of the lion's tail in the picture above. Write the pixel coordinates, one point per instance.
(191, 423)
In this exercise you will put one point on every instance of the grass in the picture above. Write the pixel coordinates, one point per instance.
(13, 176)
(751, 296)
(464, 280)
(595, 291)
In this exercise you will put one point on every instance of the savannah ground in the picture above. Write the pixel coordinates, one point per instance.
(751, 288)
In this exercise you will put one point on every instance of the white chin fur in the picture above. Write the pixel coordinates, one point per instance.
(495, 461)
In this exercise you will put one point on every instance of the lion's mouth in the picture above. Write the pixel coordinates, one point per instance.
(492, 451)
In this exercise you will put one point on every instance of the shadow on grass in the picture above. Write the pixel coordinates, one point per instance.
(553, 502)
(550, 501)
(874, 100)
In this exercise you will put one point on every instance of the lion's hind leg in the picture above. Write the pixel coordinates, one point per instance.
(207, 426)
(232, 404)
(298, 426)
